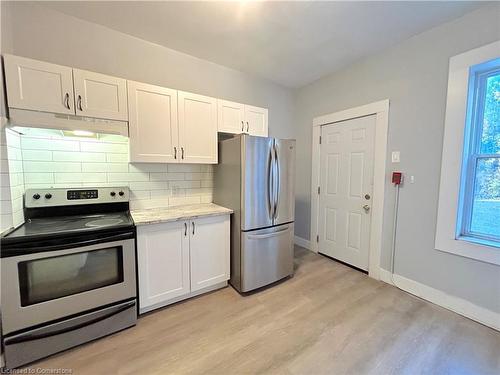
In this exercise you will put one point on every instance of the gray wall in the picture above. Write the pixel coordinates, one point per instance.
(33, 31)
(413, 75)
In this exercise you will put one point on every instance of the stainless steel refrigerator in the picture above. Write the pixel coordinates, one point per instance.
(255, 177)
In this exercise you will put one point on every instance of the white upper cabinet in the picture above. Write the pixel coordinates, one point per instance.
(39, 86)
(209, 251)
(256, 121)
(230, 117)
(197, 128)
(153, 125)
(100, 96)
(239, 118)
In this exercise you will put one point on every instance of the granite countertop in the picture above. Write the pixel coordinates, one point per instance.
(177, 213)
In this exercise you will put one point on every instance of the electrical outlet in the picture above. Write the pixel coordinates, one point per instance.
(395, 157)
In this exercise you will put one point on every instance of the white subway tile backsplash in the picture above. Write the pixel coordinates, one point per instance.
(117, 148)
(117, 158)
(79, 156)
(79, 177)
(124, 177)
(35, 143)
(38, 178)
(45, 166)
(104, 167)
(37, 155)
(55, 161)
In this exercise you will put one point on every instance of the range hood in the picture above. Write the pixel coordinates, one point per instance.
(36, 119)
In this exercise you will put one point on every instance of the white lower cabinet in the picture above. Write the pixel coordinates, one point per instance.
(181, 259)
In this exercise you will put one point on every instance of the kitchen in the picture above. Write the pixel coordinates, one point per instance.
(190, 177)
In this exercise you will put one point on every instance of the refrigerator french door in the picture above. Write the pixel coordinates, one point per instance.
(255, 177)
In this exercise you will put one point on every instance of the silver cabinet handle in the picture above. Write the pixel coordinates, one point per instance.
(182, 152)
(242, 126)
(79, 103)
(66, 101)
(248, 127)
(185, 229)
(193, 226)
(175, 152)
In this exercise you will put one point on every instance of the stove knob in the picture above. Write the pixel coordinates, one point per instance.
(112, 193)
(36, 196)
(121, 193)
(48, 196)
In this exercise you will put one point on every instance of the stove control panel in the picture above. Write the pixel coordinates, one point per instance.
(66, 197)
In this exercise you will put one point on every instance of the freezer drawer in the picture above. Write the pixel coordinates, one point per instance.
(266, 256)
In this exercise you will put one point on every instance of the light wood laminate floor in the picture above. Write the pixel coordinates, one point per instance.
(327, 319)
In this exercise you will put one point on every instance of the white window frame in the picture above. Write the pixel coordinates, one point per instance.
(448, 238)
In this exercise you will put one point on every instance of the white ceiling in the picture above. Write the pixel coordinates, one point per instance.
(291, 43)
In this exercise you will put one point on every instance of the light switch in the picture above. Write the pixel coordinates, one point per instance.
(395, 157)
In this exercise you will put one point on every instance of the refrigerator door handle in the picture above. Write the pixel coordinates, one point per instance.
(268, 235)
(270, 184)
(277, 176)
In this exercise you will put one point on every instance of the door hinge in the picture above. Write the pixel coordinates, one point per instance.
(320, 139)
(319, 190)
(317, 238)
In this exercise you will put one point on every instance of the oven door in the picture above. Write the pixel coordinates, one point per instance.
(42, 287)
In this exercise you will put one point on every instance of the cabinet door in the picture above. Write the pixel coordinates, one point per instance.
(256, 121)
(163, 259)
(209, 245)
(100, 96)
(197, 128)
(153, 126)
(230, 117)
(39, 86)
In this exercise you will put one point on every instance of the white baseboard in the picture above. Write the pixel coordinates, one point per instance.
(440, 298)
(302, 242)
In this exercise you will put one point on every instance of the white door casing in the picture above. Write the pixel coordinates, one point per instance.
(39, 86)
(197, 128)
(153, 124)
(100, 96)
(346, 190)
(381, 111)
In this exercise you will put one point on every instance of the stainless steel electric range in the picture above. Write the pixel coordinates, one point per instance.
(68, 273)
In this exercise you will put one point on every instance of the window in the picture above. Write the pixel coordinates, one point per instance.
(468, 216)
(479, 211)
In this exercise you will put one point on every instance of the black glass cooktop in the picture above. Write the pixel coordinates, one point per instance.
(67, 225)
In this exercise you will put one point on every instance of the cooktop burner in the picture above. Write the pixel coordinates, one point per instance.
(69, 224)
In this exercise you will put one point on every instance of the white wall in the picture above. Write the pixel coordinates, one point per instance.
(52, 160)
(413, 75)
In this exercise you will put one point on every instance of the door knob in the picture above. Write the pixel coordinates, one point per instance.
(367, 197)
(366, 208)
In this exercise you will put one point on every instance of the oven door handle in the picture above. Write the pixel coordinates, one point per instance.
(70, 245)
(37, 336)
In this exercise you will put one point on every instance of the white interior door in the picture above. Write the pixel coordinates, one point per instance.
(153, 124)
(346, 181)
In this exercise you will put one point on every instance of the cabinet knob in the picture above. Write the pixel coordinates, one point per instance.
(121, 193)
(48, 196)
(36, 196)
(112, 193)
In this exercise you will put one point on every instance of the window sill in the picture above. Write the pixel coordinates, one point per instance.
(480, 241)
(470, 247)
